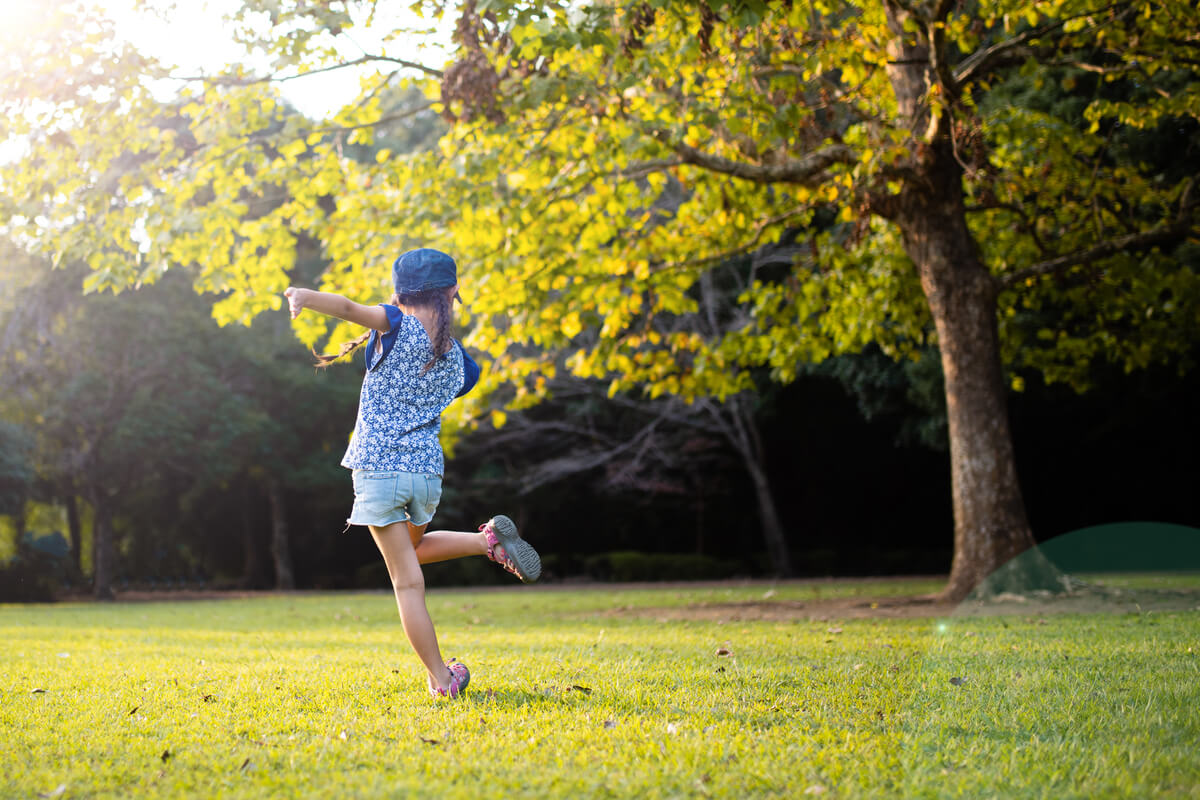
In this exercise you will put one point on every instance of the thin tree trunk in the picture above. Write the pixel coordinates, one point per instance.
(251, 564)
(75, 532)
(777, 549)
(280, 550)
(742, 432)
(103, 555)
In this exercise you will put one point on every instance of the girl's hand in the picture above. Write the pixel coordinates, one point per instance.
(296, 300)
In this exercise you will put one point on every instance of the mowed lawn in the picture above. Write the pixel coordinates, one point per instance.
(597, 692)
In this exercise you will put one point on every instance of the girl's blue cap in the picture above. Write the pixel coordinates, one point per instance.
(423, 269)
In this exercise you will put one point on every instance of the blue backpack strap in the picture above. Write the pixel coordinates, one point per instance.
(470, 372)
(394, 316)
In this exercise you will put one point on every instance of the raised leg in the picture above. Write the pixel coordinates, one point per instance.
(445, 545)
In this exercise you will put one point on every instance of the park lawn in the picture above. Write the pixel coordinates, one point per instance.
(595, 692)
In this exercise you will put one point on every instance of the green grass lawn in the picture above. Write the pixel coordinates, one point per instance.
(596, 692)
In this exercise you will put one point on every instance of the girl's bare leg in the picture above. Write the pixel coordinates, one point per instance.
(445, 545)
(408, 582)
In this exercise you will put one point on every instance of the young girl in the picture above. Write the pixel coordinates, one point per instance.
(413, 371)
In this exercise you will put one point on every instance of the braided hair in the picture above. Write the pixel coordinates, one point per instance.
(440, 302)
(437, 299)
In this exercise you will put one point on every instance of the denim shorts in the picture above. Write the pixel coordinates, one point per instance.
(383, 497)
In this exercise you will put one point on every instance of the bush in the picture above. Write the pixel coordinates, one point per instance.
(31, 577)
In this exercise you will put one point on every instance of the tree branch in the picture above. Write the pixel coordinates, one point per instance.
(983, 62)
(1171, 233)
(807, 170)
(408, 112)
(367, 59)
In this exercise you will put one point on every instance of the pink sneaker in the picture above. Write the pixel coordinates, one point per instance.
(460, 676)
(518, 557)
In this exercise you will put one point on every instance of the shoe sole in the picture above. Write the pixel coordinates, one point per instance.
(526, 559)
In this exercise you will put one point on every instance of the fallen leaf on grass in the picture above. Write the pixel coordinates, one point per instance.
(58, 791)
(609, 724)
(834, 630)
(672, 728)
(208, 698)
(816, 788)
(37, 691)
(429, 741)
(133, 711)
(579, 688)
(958, 681)
(724, 651)
(165, 755)
(245, 765)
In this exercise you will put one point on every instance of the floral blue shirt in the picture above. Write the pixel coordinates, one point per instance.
(400, 407)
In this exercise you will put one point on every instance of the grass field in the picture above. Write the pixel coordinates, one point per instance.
(599, 692)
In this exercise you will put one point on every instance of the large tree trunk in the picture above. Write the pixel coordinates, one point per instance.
(990, 526)
(103, 554)
(280, 551)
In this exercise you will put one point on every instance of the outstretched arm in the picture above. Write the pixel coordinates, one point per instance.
(334, 305)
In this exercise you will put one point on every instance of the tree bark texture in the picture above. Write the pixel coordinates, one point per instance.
(103, 553)
(280, 551)
(990, 525)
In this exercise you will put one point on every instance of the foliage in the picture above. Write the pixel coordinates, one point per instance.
(595, 691)
(589, 201)
(140, 402)
(32, 576)
(16, 475)
(911, 389)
